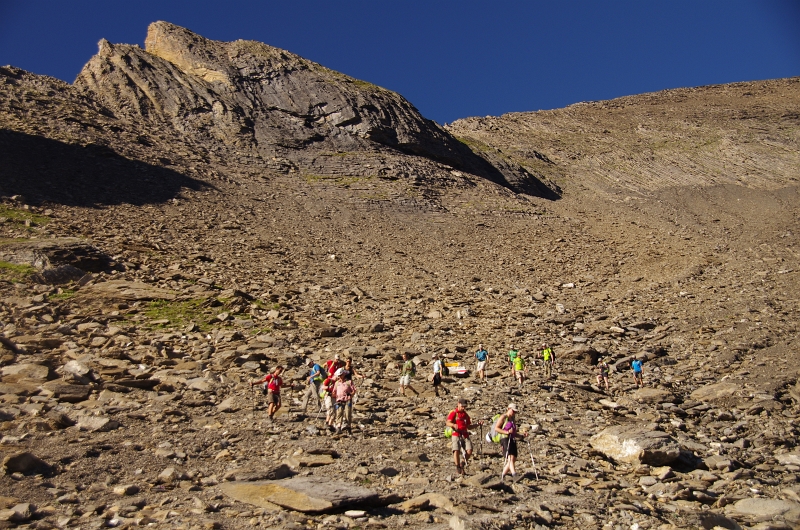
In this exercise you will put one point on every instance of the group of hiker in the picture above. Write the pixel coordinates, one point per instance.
(330, 387)
(504, 430)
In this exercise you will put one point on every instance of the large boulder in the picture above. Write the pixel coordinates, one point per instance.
(716, 392)
(637, 444)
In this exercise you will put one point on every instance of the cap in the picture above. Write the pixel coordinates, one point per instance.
(462, 401)
(339, 372)
(435, 356)
(513, 407)
(309, 361)
(336, 357)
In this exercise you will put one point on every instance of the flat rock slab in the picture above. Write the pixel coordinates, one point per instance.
(302, 494)
(309, 460)
(762, 507)
(67, 392)
(653, 395)
(716, 391)
(637, 444)
(126, 291)
(25, 372)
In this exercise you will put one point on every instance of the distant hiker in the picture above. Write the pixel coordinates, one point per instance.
(343, 392)
(314, 380)
(548, 359)
(602, 373)
(636, 366)
(513, 353)
(350, 371)
(519, 368)
(333, 364)
(459, 421)
(407, 371)
(272, 383)
(437, 375)
(506, 427)
(325, 390)
(483, 357)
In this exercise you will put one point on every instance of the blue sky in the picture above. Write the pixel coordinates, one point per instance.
(451, 59)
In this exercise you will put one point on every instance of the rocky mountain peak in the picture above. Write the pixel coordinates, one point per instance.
(272, 104)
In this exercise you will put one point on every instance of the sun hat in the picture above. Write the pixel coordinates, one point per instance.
(512, 406)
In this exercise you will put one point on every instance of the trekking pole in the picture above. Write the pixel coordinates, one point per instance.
(253, 392)
(480, 457)
(532, 462)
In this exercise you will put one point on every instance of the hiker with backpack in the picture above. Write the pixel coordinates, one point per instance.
(602, 373)
(548, 359)
(459, 422)
(342, 394)
(513, 353)
(314, 380)
(505, 431)
(520, 369)
(636, 366)
(272, 383)
(350, 371)
(333, 364)
(483, 357)
(407, 371)
(327, 400)
(437, 375)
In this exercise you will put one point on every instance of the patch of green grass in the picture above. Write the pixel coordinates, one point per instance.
(178, 313)
(65, 294)
(14, 272)
(20, 216)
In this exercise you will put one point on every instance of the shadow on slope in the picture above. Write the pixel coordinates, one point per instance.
(45, 170)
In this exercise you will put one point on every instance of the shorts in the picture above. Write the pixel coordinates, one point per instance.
(481, 366)
(405, 380)
(273, 399)
(454, 443)
(437, 379)
(512, 449)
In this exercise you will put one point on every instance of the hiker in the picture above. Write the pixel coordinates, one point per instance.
(333, 364)
(506, 427)
(350, 370)
(325, 394)
(437, 375)
(407, 371)
(519, 369)
(636, 366)
(483, 357)
(343, 392)
(513, 353)
(459, 421)
(548, 359)
(314, 381)
(272, 382)
(602, 373)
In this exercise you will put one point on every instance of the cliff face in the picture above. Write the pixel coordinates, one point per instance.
(268, 103)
